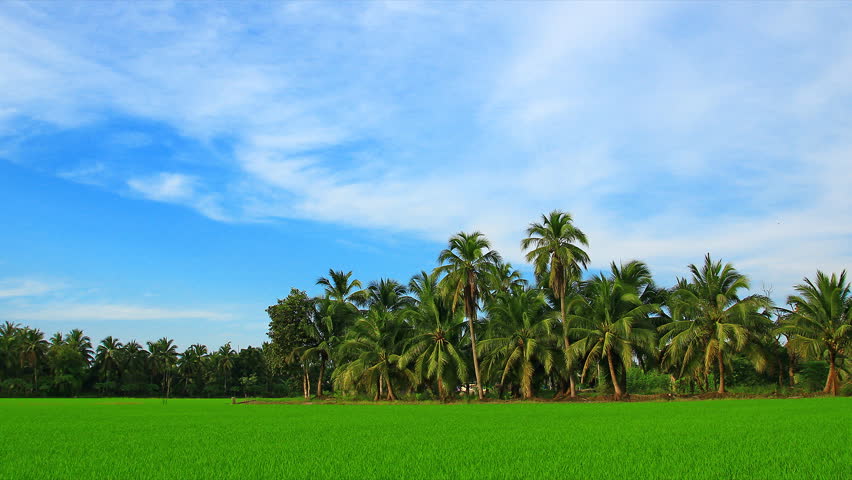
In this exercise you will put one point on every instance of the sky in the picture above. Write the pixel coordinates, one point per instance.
(173, 168)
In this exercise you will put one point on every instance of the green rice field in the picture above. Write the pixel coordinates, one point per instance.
(186, 438)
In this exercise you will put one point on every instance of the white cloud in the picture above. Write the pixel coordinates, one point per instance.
(11, 288)
(98, 312)
(165, 186)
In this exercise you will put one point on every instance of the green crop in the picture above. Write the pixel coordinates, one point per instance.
(184, 438)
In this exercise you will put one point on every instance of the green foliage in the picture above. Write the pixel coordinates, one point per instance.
(648, 383)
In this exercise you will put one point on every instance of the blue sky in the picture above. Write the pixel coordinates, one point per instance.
(173, 168)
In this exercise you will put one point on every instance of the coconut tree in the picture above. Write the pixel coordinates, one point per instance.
(502, 278)
(433, 348)
(820, 322)
(375, 343)
(191, 364)
(340, 287)
(388, 294)
(611, 321)
(326, 332)
(520, 337)
(224, 360)
(32, 348)
(82, 343)
(554, 250)
(465, 263)
(8, 347)
(107, 357)
(163, 357)
(710, 321)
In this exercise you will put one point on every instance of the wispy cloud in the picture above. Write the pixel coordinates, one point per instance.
(110, 312)
(12, 288)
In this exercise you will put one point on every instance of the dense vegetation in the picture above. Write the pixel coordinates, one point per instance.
(201, 438)
(475, 325)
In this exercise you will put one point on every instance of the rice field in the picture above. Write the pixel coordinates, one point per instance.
(144, 438)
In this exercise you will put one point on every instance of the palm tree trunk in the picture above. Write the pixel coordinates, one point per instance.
(321, 373)
(613, 377)
(831, 383)
(572, 388)
(441, 390)
(470, 320)
(391, 396)
(721, 372)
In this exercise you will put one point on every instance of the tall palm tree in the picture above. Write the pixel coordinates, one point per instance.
(820, 323)
(433, 348)
(326, 331)
(520, 337)
(612, 321)
(502, 278)
(191, 364)
(376, 343)
(82, 343)
(225, 361)
(8, 347)
(388, 294)
(32, 347)
(163, 356)
(710, 321)
(554, 250)
(465, 263)
(339, 287)
(107, 357)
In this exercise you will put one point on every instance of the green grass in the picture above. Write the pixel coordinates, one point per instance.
(112, 438)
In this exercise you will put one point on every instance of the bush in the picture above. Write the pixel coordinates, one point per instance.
(647, 383)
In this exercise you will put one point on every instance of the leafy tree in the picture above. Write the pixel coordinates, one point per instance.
(465, 263)
(711, 321)
(553, 248)
(820, 323)
(290, 322)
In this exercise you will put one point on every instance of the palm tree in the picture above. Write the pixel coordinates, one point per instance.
(163, 358)
(466, 262)
(339, 287)
(82, 343)
(8, 347)
(434, 347)
(710, 322)
(502, 278)
(553, 248)
(225, 361)
(820, 323)
(612, 320)
(106, 356)
(375, 343)
(191, 364)
(32, 347)
(520, 337)
(388, 294)
(326, 331)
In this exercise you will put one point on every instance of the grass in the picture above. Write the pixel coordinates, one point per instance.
(143, 438)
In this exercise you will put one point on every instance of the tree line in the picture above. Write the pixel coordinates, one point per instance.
(474, 325)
